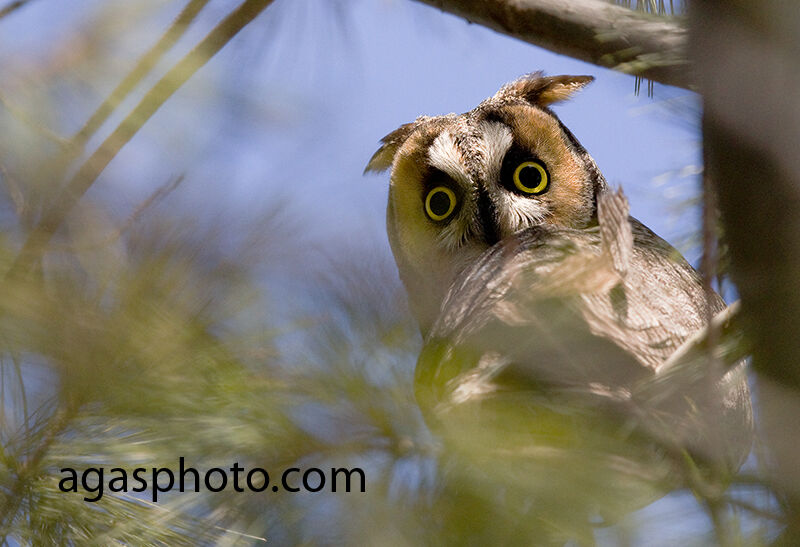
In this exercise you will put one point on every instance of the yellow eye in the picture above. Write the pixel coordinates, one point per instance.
(440, 203)
(530, 177)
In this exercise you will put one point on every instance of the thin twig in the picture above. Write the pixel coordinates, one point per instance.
(152, 101)
(160, 193)
(749, 507)
(12, 7)
(28, 120)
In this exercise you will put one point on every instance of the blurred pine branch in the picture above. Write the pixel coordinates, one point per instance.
(88, 172)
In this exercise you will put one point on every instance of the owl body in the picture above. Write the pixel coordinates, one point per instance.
(534, 289)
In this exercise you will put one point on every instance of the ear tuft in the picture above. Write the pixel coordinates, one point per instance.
(382, 159)
(543, 90)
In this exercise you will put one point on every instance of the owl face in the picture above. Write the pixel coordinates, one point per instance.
(460, 183)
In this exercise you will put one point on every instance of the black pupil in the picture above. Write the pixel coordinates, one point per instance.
(440, 203)
(530, 177)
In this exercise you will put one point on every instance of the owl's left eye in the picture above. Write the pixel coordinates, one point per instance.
(440, 203)
(531, 178)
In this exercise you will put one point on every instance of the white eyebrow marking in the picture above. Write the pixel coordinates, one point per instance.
(496, 140)
(445, 155)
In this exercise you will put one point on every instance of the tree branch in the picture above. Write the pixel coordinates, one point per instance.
(594, 31)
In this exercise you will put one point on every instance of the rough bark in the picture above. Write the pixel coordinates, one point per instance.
(594, 31)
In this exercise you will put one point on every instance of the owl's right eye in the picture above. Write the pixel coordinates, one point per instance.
(531, 178)
(440, 203)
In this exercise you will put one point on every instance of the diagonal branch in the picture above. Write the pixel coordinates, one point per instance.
(594, 31)
(88, 172)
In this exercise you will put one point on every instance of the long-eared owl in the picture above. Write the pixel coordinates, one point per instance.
(540, 299)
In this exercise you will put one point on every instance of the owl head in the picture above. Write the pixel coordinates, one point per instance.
(462, 182)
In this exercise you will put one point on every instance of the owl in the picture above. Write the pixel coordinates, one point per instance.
(542, 302)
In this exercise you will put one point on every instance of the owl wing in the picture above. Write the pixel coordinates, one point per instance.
(577, 316)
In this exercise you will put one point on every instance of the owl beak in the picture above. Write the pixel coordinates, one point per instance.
(488, 217)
